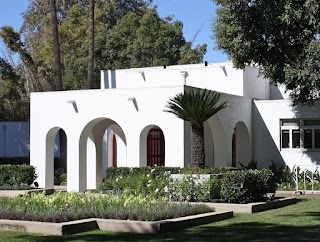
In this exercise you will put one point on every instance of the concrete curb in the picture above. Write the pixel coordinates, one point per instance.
(252, 207)
(130, 226)
(16, 193)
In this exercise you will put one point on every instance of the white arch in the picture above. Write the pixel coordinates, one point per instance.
(91, 151)
(219, 141)
(50, 150)
(242, 143)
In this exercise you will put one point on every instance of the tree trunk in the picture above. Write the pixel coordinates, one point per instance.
(56, 46)
(90, 83)
(198, 153)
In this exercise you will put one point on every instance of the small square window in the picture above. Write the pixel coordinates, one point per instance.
(307, 142)
(317, 138)
(295, 138)
(285, 139)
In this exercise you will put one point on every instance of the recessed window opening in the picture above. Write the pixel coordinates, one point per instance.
(300, 133)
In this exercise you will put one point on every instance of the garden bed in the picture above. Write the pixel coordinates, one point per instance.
(251, 207)
(140, 227)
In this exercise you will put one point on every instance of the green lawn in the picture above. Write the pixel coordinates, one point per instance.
(299, 222)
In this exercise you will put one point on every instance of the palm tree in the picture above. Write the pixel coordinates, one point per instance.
(91, 45)
(197, 107)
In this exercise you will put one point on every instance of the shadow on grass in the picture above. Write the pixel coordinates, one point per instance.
(261, 232)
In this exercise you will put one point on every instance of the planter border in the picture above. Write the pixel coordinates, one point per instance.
(17, 193)
(252, 207)
(113, 225)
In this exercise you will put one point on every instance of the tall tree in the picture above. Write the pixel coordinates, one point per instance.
(196, 106)
(166, 46)
(56, 47)
(282, 37)
(90, 81)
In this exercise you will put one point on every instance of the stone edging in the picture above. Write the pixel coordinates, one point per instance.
(252, 207)
(16, 193)
(114, 225)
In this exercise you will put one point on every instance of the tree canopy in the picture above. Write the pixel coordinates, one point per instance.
(281, 36)
(128, 33)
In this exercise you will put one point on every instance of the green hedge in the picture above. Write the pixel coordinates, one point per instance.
(113, 173)
(16, 176)
(233, 186)
(246, 186)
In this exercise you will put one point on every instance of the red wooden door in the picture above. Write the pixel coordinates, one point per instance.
(155, 148)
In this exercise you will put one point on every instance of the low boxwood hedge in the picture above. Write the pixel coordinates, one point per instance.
(16, 176)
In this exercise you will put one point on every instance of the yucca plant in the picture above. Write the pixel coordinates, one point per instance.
(196, 106)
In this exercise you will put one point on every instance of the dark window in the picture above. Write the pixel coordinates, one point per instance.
(307, 142)
(295, 138)
(155, 148)
(285, 139)
(317, 138)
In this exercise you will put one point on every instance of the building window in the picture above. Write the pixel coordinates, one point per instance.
(307, 138)
(300, 133)
(296, 138)
(285, 139)
(317, 138)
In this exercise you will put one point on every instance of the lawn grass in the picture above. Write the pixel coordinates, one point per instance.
(298, 222)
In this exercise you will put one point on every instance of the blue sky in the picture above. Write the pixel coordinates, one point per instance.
(196, 15)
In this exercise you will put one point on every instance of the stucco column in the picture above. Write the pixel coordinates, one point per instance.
(76, 163)
(133, 144)
(42, 156)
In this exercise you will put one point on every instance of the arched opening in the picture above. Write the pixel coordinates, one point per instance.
(56, 157)
(215, 143)
(241, 145)
(102, 145)
(152, 146)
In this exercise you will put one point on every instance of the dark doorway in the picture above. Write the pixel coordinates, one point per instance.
(114, 151)
(234, 152)
(155, 148)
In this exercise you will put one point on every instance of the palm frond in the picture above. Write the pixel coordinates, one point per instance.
(196, 105)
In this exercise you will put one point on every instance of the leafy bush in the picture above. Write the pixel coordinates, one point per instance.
(137, 181)
(16, 176)
(189, 188)
(151, 180)
(282, 173)
(246, 186)
(62, 207)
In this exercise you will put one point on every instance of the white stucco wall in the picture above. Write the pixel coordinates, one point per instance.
(53, 109)
(255, 85)
(221, 77)
(14, 139)
(266, 130)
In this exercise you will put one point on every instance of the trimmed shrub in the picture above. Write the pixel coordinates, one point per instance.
(16, 176)
(246, 186)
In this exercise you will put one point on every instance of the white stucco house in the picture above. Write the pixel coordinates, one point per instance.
(124, 123)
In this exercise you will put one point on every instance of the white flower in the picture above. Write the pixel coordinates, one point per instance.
(166, 189)
(157, 190)
(148, 175)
